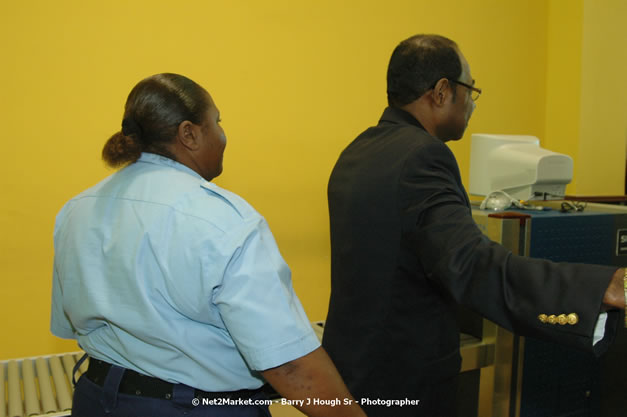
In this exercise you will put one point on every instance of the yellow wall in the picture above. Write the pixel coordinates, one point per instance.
(563, 78)
(601, 163)
(587, 91)
(295, 82)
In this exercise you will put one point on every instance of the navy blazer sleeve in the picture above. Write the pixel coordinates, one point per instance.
(508, 289)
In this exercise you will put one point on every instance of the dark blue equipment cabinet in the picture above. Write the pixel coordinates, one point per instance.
(559, 381)
(549, 379)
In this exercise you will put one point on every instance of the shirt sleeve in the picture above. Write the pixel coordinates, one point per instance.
(599, 328)
(258, 305)
(508, 289)
(60, 325)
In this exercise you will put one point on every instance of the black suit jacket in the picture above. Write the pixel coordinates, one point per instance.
(405, 250)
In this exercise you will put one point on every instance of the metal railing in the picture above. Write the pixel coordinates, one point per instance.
(38, 386)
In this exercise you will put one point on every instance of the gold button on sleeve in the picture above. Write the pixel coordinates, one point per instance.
(542, 318)
(561, 319)
(552, 319)
(573, 318)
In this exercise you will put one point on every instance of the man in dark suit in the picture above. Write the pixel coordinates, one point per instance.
(406, 251)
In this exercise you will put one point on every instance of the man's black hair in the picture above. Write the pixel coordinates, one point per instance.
(417, 64)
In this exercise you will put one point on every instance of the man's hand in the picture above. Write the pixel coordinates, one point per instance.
(614, 297)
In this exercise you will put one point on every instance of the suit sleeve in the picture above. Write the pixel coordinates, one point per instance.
(508, 289)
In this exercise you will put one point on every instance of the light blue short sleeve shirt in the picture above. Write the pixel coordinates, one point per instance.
(160, 271)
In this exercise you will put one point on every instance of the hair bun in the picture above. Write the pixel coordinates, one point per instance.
(131, 127)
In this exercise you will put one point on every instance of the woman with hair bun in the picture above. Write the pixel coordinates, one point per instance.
(175, 287)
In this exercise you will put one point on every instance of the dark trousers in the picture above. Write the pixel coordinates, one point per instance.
(92, 400)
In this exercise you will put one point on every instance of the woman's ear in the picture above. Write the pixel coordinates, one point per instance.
(187, 135)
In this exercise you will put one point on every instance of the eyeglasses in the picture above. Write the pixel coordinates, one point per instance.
(475, 92)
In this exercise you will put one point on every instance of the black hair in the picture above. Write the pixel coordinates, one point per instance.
(417, 64)
(154, 109)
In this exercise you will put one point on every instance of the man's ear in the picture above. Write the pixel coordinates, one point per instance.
(187, 135)
(440, 91)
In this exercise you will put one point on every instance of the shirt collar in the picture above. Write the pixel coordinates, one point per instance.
(153, 158)
(394, 115)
